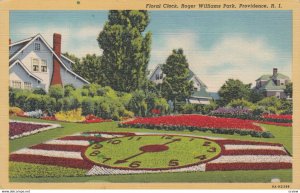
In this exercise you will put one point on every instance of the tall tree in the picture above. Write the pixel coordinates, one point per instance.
(126, 49)
(176, 85)
(234, 89)
(89, 67)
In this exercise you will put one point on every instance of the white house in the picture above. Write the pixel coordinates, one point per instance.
(33, 63)
(199, 96)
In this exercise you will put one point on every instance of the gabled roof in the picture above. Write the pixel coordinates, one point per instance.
(266, 77)
(270, 85)
(191, 75)
(48, 46)
(26, 69)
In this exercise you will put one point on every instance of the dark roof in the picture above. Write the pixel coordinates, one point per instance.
(214, 95)
(201, 93)
(270, 76)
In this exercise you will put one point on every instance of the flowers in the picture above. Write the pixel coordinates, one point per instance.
(277, 118)
(198, 121)
(19, 129)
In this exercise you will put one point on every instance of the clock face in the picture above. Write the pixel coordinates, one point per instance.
(152, 152)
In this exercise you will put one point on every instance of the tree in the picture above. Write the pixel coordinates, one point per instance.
(126, 49)
(89, 67)
(176, 85)
(234, 89)
(289, 89)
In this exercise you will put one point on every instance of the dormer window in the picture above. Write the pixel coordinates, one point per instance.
(44, 66)
(35, 65)
(37, 46)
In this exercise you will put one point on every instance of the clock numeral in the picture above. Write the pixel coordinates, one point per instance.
(166, 137)
(212, 149)
(201, 157)
(97, 146)
(94, 153)
(137, 139)
(106, 159)
(174, 162)
(116, 141)
(135, 164)
(206, 143)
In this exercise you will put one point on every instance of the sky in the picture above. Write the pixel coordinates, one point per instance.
(218, 44)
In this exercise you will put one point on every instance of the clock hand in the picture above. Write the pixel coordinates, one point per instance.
(126, 159)
(174, 140)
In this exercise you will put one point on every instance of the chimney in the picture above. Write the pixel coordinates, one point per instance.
(9, 41)
(56, 77)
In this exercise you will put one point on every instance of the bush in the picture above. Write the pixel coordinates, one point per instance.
(87, 106)
(56, 92)
(241, 103)
(39, 91)
(33, 102)
(70, 116)
(49, 105)
(15, 111)
(187, 108)
(34, 114)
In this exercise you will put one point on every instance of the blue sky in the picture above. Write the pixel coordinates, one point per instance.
(218, 44)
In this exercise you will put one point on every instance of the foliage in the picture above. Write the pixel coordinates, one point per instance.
(234, 89)
(230, 112)
(33, 102)
(255, 96)
(15, 111)
(241, 103)
(70, 116)
(56, 91)
(187, 108)
(289, 89)
(126, 49)
(176, 84)
(138, 103)
(39, 91)
(21, 170)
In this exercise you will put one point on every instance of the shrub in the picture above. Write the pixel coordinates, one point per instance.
(87, 106)
(187, 108)
(39, 91)
(70, 116)
(241, 103)
(49, 104)
(34, 114)
(69, 88)
(15, 111)
(33, 102)
(56, 91)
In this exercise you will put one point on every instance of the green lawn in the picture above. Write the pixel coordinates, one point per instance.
(282, 135)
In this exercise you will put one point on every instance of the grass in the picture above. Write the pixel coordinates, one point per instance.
(282, 135)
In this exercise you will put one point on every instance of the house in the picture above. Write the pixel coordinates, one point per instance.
(273, 85)
(199, 95)
(34, 64)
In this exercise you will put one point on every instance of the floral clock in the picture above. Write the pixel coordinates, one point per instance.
(152, 152)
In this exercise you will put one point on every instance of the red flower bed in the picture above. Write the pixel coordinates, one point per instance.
(273, 116)
(49, 118)
(16, 128)
(275, 123)
(94, 119)
(198, 121)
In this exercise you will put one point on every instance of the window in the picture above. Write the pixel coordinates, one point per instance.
(44, 66)
(157, 76)
(37, 46)
(161, 76)
(35, 65)
(16, 84)
(27, 85)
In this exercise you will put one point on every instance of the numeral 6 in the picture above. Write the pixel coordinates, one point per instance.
(174, 162)
(135, 164)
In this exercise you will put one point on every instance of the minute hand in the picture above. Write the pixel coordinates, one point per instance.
(174, 140)
(126, 159)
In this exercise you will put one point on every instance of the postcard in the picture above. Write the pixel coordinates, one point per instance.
(150, 94)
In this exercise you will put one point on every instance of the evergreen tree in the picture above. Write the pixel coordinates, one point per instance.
(126, 49)
(176, 86)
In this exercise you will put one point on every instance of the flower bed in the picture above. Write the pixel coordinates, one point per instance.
(275, 123)
(200, 123)
(277, 118)
(94, 119)
(235, 155)
(19, 129)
